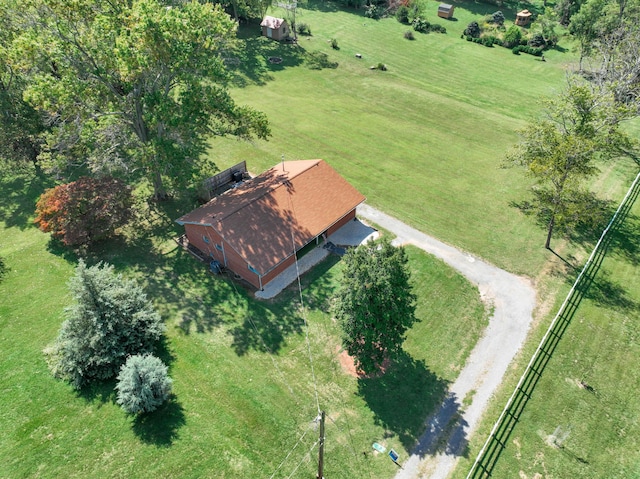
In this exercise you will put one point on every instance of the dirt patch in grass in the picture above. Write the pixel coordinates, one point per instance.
(348, 366)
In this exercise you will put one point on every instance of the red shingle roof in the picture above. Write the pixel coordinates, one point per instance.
(282, 209)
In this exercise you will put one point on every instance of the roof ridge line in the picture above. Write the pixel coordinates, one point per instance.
(273, 188)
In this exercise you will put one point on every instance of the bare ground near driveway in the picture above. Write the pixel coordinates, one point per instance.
(513, 299)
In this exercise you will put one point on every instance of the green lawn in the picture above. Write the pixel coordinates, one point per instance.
(244, 390)
(596, 430)
(424, 141)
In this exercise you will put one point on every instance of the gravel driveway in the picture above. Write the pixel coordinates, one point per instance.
(513, 299)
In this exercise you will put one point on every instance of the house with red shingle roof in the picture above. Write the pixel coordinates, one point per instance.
(257, 228)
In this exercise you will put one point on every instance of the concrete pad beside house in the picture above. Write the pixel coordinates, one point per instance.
(353, 233)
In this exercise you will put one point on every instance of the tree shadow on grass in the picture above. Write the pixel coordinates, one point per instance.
(21, 188)
(319, 61)
(403, 397)
(625, 240)
(606, 293)
(70, 254)
(330, 6)
(160, 427)
(267, 324)
(585, 229)
(254, 59)
(199, 320)
(445, 432)
(265, 331)
(248, 61)
(99, 392)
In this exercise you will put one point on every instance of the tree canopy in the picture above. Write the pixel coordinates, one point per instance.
(375, 305)
(143, 384)
(609, 35)
(85, 210)
(560, 151)
(132, 85)
(109, 320)
(21, 125)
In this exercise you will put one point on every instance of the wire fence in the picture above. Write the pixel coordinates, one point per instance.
(502, 429)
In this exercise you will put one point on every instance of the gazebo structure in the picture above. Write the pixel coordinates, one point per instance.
(445, 10)
(523, 18)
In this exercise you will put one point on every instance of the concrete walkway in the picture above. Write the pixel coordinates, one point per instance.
(513, 299)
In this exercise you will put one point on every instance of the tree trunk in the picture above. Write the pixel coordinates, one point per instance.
(140, 129)
(552, 223)
(159, 192)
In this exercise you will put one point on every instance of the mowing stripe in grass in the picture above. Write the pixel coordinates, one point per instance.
(496, 442)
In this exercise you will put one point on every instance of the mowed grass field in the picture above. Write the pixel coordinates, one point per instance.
(245, 394)
(588, 430)
(424, 141)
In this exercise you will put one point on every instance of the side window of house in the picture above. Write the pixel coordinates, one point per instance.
(205, 239)
(252, 269)
(219, 247)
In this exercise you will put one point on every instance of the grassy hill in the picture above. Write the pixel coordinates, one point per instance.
(424, 141)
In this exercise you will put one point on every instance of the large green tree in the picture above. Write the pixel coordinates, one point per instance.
(609, 35)
(375, 305)
(21, 125)
(560, 151)
(136, 85)
(110, 319)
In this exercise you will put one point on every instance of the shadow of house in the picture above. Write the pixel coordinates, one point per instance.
(256, 229)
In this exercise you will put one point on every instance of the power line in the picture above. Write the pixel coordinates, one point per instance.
(291, 451)
(306, 323)
(302, 306)
(307, 455)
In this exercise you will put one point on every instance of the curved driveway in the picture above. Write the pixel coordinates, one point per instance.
(513, 299)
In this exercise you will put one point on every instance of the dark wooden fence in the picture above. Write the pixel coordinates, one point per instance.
(220, 182)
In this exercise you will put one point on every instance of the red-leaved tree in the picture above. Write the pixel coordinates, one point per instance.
(85, 210)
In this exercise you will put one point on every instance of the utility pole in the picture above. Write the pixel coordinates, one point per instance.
(321, 449)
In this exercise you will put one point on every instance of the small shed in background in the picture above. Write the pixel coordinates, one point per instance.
(275, 28)
(445, 10)
(523, 18)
